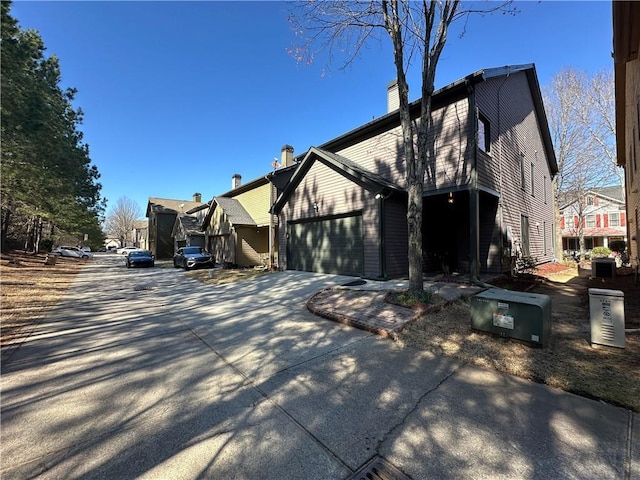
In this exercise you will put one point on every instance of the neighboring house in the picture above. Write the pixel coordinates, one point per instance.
(599, 216)
(111, 243)
(162, 214)
(186, 232)
(487, 189)
(626, 44)
(140, 234)
(239, 229)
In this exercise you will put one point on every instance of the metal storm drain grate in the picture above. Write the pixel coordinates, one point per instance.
(378, 469)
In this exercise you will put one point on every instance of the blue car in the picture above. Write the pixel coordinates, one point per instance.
(139, 258)
(192, 257)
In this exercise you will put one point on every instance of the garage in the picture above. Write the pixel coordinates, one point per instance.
(327, 245)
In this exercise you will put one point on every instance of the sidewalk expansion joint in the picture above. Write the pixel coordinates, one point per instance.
(249, 382)
(415, 407)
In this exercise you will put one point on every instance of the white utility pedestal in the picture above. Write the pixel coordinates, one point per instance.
(606, 308)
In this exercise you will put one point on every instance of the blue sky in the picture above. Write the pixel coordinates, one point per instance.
(179, 96)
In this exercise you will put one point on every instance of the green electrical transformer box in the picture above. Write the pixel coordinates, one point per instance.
(520, 315)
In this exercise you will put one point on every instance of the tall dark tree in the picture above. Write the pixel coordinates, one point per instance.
(46, 172)
(418, 31)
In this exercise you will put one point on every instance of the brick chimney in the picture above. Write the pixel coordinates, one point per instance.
(393, 100)
(236, 181)
(197, 197)
(286, 158)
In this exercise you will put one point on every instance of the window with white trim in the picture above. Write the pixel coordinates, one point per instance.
(591, 221)
(614, 219)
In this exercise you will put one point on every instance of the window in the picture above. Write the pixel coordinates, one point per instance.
(523, 184)
(614, 219)
(484, 139)
(524, 228)
(544, 236)
(532, 179)
(591, 220)
(569, 221)
(590, 200)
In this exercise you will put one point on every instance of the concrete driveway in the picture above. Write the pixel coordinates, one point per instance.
(148, 374)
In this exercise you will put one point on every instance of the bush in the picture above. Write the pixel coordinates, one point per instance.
(600, 252)
(526, 264)
(618, 246)
(46, 245)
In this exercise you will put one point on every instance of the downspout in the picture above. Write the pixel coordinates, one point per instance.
(474, 198)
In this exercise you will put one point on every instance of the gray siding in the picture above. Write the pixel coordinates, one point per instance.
(507, 103)
(383, 154)
(396, 237)
(164, 241)
(334, 195)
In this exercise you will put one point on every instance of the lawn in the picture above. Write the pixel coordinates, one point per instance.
(569, 362)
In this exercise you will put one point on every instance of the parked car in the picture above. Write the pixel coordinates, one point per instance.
(139, 258)
(126, 250)
(192, 257)
(74, 252)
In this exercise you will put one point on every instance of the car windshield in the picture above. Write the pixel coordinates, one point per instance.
(192, 250)
(138, 254)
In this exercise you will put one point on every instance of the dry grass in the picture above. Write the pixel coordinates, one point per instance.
(29, 288)
(569, 362)
(223, 276)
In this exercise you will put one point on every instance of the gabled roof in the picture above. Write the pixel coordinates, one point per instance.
(188, 225)
(140, 224)
(614, 194)
(204, 206)
(234, 211)
(349, 169)
(446, 95)
(167, 205)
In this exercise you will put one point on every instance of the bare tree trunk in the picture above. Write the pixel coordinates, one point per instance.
(558, 250)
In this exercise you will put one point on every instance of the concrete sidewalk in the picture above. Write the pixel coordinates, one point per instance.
(147, 374)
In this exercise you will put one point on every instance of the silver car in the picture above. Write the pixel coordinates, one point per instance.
(192, 257)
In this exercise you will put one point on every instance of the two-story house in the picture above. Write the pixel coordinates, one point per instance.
(162, 214)
(598, 215)
(487, 186)
(238, 226)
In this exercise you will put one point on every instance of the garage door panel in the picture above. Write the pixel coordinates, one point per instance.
(333, 245)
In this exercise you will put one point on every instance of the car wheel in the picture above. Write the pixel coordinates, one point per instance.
(128, 265)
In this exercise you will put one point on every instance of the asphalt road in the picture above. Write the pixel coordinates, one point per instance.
(147, 374)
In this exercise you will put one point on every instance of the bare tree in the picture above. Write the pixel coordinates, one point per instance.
(581, 114)
(120, 220)
(416, 29)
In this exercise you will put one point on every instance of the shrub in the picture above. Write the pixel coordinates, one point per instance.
(46, 245)
(526, 264)
(600, 252)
